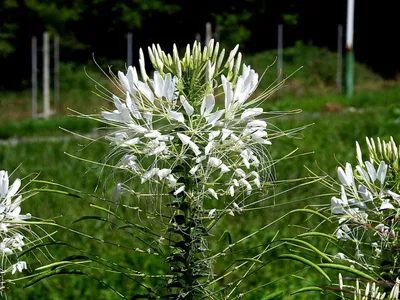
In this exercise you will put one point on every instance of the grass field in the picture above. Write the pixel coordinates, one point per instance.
(330, 138)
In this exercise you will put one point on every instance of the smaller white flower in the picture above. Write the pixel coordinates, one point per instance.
(19, 266)
(226, 133)
(394, 196)
(386, 205)
(341, 235)
(340, 255)
(211, 213)
(214, 162)
(251, 113)
(179, 190)
(117, 191)
(213, 193)
(193, 170)
(163, 173)
(188, 141)
(149, 174)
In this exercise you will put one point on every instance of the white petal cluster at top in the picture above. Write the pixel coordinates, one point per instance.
(167, 121)
(11, 230)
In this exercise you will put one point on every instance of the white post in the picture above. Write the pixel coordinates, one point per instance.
(350, 24)
(34, 76)
(198, 37)
(280, 51)
(208, 33)
(129, 48)
(339, 59)
(217, 34)
(349, 78)
(56, 72)
(46, 76)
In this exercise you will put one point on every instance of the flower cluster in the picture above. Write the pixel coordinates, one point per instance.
(162, 124)
(369, 291)
(369, 202)
(11, 227)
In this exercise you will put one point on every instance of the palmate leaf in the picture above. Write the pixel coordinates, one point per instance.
(306, 262)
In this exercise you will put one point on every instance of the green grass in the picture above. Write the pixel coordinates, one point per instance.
(331, 137)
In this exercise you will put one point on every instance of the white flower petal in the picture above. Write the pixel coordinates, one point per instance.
(213, 193)
(178, 116)
(363, 173)
(163, 173)
(210, 146)
(381, 173)
(184, 138)
(187, 107)
(179, 190)
(359, 154)
(207, 105)
(224, 169)
(132, 77)
(146, 91)
(371, 171)
(225, 133)
(227, 86)
(213, 118)
(124, 82)
(386, 205)
(211, 213)
(132, 107)
(365, 193)
(394, 196)
(3, 183)
(14, 188)
(251, 112)
(344, 179)
(158, 84)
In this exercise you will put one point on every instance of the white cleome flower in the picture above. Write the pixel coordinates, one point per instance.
(165, 133)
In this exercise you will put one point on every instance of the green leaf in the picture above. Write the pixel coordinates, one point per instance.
(103, 209)
(58, 192)
(61, 271)
(308, 289)
(346, 268)
(250, 259)
(306, 262)
(311, 212)
(275, 295)
(39, 246)
(90, 218)
(316, 233)
(315, 249)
